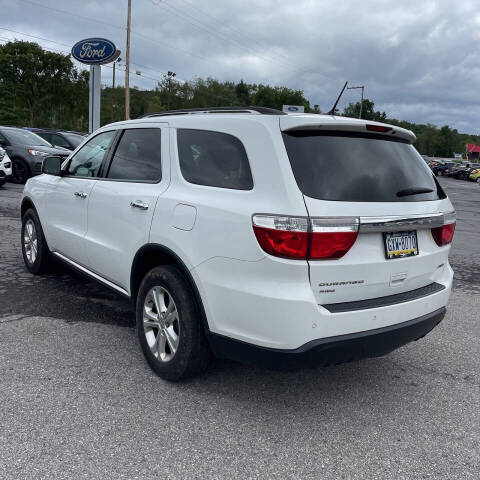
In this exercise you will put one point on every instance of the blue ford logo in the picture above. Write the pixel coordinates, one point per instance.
(293, 109)
(94, 51)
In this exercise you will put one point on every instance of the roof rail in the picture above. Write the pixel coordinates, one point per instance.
(188, 111)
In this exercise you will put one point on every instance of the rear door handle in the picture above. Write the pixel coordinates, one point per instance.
(80, 194)
(139, 204)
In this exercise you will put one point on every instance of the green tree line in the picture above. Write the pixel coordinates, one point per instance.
(44, 89)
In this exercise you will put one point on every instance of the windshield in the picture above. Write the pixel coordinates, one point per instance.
(24, 137)
(346, 166)
(74, 139)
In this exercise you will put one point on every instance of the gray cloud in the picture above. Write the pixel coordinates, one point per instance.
(419, 60)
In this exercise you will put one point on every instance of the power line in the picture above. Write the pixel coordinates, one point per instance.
(232, 29)
(200, 25)
(118, 27)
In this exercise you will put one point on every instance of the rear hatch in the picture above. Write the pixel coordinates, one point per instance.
(377, 201)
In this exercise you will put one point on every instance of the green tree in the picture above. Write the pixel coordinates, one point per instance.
(368, 111)
(38, 77)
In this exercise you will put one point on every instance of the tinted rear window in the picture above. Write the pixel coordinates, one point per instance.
(358, 167)
(214, 159)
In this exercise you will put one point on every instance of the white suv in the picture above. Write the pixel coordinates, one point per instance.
(280, 240)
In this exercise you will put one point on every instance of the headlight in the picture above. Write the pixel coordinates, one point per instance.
(36, 153)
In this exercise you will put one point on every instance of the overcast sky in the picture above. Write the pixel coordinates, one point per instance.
(419, 60)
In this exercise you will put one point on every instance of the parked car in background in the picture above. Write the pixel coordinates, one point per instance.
(60, 138)
(5, 167)
(461, 172)
(441, 168)
(255, 235)
(475, 175)
(27, 151)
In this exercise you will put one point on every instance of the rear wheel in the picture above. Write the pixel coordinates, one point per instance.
(20, 171)
(169, 325)
(34, 247)
(439, 173)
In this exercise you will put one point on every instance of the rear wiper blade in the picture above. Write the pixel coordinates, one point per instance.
(413, 191)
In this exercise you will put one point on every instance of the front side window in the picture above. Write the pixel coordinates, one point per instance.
(138, 156)
(87, 161)
(214, 159)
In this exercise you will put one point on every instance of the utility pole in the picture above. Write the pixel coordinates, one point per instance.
(127, 63)
(170, 75)
(361, 101)
(113, 88)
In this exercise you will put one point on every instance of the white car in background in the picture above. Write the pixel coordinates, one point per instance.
(273, 239)
(5, 167)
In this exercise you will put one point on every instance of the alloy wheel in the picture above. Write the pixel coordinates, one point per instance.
(30, 241)
(161, 323)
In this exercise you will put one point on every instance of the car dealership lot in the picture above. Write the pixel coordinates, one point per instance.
(79, 401)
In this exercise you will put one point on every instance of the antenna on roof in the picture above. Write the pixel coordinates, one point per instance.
(332, 111)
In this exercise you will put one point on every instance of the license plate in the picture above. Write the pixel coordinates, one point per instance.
(400, 244)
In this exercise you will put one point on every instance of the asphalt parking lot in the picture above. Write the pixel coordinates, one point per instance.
(77, 400)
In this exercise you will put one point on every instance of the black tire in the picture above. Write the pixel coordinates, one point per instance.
(20, 171)
(2, 181)
(42, 259)
(193, 354)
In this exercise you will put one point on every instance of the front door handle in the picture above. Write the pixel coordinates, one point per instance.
(80, 194)
(139, 204)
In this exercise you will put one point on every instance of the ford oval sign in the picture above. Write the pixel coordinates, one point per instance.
(95, 51)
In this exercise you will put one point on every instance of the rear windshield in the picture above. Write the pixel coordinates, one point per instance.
(350, 167)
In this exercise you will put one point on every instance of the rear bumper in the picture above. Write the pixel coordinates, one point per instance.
(328, 351)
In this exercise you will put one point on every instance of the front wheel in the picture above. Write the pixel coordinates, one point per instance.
(169, 325)
(20, 171)
(34, 246)
(439, 173)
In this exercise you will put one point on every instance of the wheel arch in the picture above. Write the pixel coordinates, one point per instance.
(27, 203)
(152, 255)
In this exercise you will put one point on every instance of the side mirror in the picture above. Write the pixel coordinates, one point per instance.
(52, 166)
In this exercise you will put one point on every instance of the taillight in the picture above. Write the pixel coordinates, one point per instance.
(332, 237)
(282, 236)
(444, 235)
(303, 238)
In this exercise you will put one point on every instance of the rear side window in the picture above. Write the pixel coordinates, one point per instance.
(58, 141)
(351, 167)
(213, 158)
(138, 156)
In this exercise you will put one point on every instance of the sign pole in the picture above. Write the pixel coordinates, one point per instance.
(94, 98)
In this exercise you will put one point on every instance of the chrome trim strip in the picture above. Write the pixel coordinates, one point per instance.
(91, 274)
(397, 223)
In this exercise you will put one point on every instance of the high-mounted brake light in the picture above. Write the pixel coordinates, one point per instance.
(444, 235)
(378, 128)
(305, 238)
